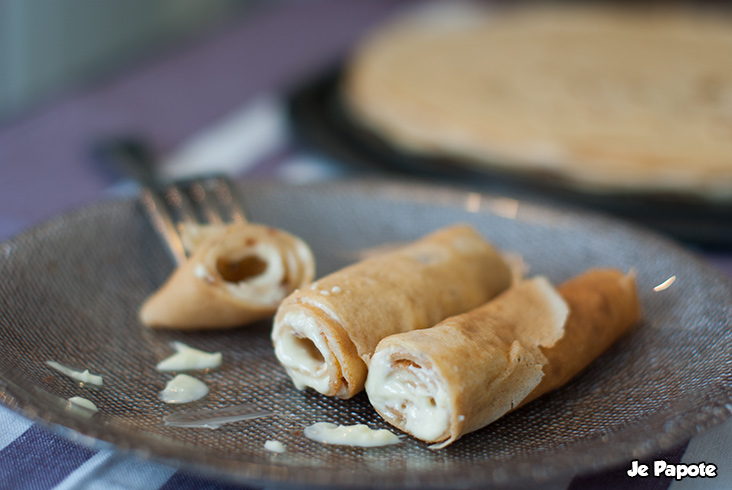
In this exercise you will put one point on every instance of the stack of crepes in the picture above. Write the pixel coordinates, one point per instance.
(606, 97)
(441, 339)
(236, 274)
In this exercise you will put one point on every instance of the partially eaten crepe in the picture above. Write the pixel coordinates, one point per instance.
(236, 274)
(466, 372)
(324, 335)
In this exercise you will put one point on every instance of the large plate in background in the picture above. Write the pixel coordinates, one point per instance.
(71, 289)
(322, 121)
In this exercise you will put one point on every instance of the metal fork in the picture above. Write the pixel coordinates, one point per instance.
(198, 200)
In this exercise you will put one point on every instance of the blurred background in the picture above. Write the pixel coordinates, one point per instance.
(48, 47)
(251, 82)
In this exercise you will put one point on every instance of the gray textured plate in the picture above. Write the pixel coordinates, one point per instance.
(70, 291)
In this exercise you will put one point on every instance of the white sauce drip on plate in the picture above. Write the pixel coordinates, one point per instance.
(83, 376)
(187, 359)
(274, 446)
(84, 403)
(183, 389)
(350, 435)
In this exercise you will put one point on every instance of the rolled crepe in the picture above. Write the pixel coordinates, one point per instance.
(440, 383)
(324, 335)
(235, 275)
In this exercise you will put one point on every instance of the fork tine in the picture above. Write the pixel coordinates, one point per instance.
(228, 195)
(211, 199)
(205, 202)
(157, 211)
(178, 200)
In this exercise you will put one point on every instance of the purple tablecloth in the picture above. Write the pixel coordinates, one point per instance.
(234, 78)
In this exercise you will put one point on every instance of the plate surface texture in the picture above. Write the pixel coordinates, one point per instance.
(71, 289)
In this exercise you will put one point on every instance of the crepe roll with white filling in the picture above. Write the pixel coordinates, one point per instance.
(440, 383)
(236, 274)
(324, 335)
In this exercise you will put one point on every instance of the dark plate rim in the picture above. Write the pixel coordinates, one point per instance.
(321, 120)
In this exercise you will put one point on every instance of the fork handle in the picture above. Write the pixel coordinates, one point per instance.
(131, 157)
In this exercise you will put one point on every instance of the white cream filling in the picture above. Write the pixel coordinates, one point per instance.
(301, 348)
(350, 435)
(267, 288)
(202, 273)
(275, 271)
(418, 402)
